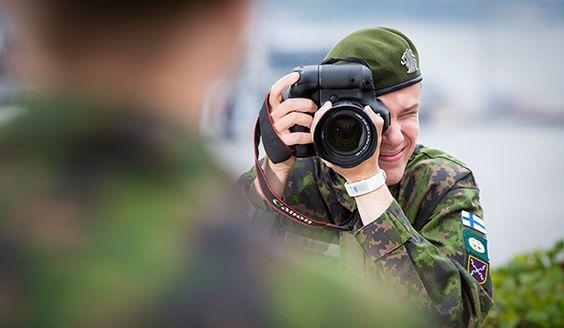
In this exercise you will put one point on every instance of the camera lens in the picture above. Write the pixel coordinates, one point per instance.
(345, 134)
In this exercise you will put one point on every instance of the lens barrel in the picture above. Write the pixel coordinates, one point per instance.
(345, 135)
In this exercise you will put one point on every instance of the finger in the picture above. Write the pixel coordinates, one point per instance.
(293, 118)
(296, 138)
(376, 118)
(280, 86)
(326, 106)
(293, 104)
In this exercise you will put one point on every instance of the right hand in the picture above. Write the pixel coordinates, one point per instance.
(284, 115)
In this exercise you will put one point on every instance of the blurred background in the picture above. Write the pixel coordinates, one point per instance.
(492, 95)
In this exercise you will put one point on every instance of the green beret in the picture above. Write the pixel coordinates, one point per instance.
(390, 54)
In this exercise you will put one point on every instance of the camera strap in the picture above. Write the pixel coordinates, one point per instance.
(276, 147)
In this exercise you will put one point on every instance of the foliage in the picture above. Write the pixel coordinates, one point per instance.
(529, 290)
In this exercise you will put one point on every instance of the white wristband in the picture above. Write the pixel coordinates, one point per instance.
(365, 186)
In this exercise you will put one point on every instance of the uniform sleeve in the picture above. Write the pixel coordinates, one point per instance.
(253, 196)
(301, 191)
(435, 267)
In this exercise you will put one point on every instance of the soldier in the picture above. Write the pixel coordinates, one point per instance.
(111, 211)
(422, 230)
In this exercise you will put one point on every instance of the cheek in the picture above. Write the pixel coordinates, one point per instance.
(410, 131)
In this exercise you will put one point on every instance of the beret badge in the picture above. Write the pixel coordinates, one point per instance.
(408, 60)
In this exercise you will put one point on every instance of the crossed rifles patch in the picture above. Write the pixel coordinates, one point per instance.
(478, 269)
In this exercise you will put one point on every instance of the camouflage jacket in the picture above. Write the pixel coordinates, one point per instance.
(96, 203)
(430, 244)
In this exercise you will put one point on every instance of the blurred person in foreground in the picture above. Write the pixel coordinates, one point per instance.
(420, 230)
(111, 211)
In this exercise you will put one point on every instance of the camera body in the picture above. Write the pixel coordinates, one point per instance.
(345, 135)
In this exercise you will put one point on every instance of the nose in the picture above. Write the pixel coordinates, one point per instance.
(393, 137)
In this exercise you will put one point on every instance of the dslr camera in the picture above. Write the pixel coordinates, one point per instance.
(345, 135)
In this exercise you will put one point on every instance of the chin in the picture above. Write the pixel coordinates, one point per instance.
(394, 175)
(394, 172)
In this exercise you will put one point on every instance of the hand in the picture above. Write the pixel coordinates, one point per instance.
(371, 205)
(287, 113)
(369, 167)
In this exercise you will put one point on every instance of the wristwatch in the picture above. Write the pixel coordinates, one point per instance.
(365, 186)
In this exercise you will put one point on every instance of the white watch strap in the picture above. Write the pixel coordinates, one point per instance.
(365, 186)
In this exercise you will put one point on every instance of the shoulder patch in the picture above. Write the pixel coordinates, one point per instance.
(473, 221)
(476, 245)
(478, 269)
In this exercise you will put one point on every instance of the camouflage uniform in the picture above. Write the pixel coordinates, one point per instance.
(106, 220)
(418, 245)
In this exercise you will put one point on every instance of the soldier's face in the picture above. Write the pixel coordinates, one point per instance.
(398, 142)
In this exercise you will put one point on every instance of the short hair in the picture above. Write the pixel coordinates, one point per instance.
(71, 25)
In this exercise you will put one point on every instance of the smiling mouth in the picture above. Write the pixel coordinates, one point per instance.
(393, 157)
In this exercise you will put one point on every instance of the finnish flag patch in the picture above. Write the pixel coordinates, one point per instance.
(473, 221)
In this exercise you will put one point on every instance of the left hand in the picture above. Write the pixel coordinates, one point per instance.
(369, 167)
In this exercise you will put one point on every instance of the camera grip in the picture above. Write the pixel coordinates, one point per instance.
(302, 150)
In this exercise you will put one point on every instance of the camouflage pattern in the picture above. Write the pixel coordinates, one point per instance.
(416, 246)
(110, 217)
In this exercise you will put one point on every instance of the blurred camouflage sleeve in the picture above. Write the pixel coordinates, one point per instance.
(246, 182)
(430, 265)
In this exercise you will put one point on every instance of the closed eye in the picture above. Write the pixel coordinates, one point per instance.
(409, 113)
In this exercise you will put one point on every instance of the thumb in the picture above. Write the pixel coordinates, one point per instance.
(375, 117)
(319, 113)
